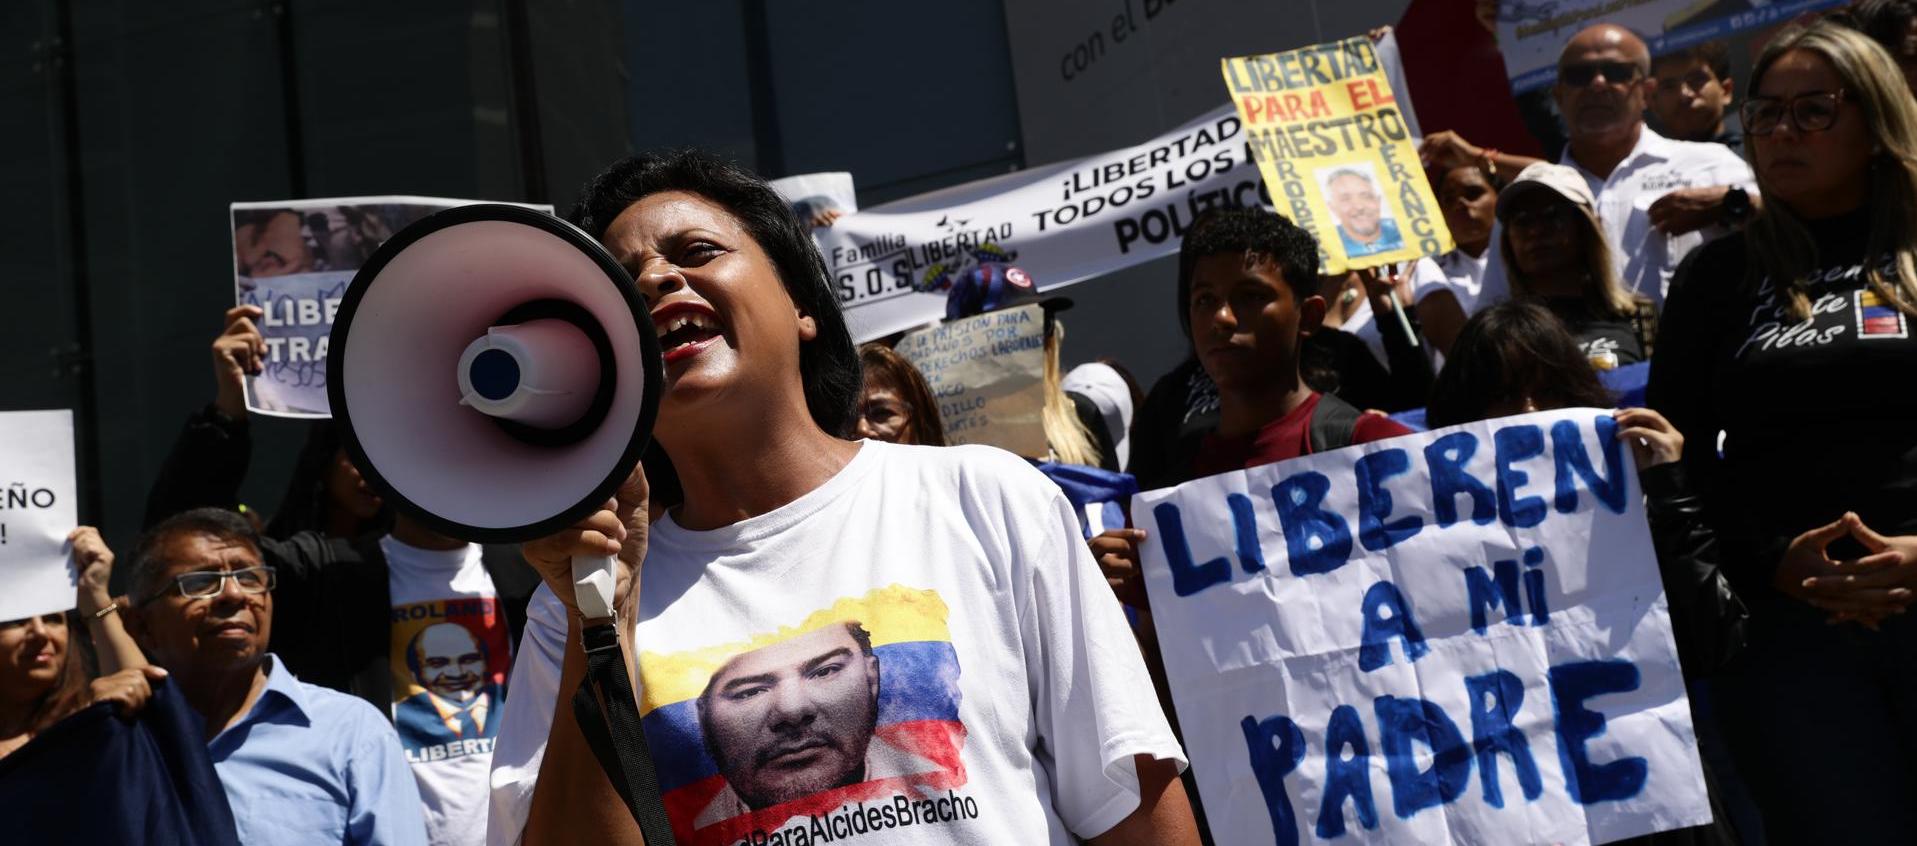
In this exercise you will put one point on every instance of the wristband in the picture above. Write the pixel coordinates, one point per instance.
(1490, 157)
(110, 608)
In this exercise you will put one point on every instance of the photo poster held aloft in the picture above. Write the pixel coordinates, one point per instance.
(37, 511)
(1451, 637)
(987, 373)
(1532, 34)
(818, 199)
(293, 259)
(1337, 153)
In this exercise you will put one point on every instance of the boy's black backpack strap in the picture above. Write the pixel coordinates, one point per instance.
(1333, 424)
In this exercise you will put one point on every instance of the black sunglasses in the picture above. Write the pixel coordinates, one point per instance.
(1813, 112)
(1582, 73)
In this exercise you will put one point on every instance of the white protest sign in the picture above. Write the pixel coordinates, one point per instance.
(818, 198)
(988, 374)
(893, 264)
(294, 259)
(37, 510)
(1531, 34)
(1452, 637)
(1063, 223)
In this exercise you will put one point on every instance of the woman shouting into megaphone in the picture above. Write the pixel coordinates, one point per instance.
(907, 643)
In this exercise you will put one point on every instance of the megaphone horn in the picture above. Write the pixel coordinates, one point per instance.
(495, 376)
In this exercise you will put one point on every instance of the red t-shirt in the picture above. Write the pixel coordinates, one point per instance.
(1287, 437)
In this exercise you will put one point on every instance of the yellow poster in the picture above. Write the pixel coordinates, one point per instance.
(1336, 153)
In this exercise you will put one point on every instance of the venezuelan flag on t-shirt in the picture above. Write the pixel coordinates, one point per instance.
(913, 747)
(1877, 318)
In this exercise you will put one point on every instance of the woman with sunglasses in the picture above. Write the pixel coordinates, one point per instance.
(1794, 341)
(1557, 255)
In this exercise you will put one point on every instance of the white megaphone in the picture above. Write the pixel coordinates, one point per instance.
(495, 376)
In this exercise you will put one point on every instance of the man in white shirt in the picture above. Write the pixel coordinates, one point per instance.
(1657, 198)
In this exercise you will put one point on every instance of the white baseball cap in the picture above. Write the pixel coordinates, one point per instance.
(1541, 176)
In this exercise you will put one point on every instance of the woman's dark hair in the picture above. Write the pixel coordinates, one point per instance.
(1512, 351)
(1249, 229)
(1887, 22)
(1437, 173)
(883, 363)
(306, 504)
(829, 363)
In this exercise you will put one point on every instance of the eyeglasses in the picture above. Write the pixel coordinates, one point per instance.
(1813, 112)
(205, 583)
(1581, 74)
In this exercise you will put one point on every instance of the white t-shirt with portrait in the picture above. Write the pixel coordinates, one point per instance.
(921, 650)
(450, 653)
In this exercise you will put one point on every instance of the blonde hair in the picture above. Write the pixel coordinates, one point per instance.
(1070, 441)
(1602, 290)
(1778, 243)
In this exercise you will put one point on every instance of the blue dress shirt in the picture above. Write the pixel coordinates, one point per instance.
(308, 765)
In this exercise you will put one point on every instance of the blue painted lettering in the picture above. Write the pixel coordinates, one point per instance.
(1484, 592)
(1571, 685)
(1567, 452)
(1316, 540)
(1276, 746)
(1400, 723)
(1245, 529)
(1187, 577)
(1346, 778)
(1495, 699)
(1374, 502)
(1380, 628)
(1446, 458)
(1515, 444)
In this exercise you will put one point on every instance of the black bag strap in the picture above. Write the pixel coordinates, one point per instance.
(612, 730)
(1333, 424)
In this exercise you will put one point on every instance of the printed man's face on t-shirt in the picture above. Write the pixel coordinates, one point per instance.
(450, 662)
(789, 720)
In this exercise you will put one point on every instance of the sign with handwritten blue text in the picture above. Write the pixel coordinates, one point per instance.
(1451, 637)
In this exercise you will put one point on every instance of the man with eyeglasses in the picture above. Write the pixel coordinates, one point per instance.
(1658, 198)
(301, 764)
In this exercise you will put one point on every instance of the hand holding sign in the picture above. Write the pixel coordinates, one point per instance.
(1117, 554)
(1652, 438)
(238, 352)
(95, 562)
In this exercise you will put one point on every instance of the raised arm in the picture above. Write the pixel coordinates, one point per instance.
(209, 459)
(95, 562)
(573, 801)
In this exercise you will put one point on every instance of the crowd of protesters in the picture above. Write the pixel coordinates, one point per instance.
(344, 674)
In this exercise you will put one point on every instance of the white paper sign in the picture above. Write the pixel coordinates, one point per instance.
(893, 264)
(987, 373)
(1063, 223)
(294, 259)
(819, 198)
(1452, 637)
(37, 510)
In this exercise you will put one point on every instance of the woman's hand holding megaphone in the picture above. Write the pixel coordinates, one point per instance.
(618, 528)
